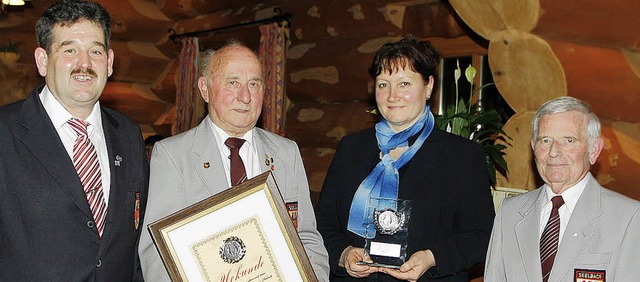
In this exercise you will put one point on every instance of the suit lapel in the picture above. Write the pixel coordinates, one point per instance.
(269, 157)
(425, 158)
(207, 161)
(368, 155)
(42, 140)
(527, 235)
(115, 147)
(580, 230)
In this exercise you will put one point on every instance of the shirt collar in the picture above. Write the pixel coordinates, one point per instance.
(222, 136)
(571, 195)
(59, 115)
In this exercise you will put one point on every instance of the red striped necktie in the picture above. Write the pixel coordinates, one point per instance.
(238, 173)
(85, 160)
(549, 239)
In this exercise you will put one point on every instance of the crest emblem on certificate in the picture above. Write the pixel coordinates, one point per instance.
(232, 249)
(388, 221)
(239, 253)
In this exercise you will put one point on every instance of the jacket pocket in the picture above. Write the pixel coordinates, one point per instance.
(133, 205)
(594, 259)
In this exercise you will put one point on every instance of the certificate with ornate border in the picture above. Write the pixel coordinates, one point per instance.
(241, 234)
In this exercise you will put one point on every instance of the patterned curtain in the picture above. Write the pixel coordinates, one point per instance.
(187, 86)
(273, 46)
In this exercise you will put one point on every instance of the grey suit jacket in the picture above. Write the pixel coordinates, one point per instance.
(603, 234)
(179, 179)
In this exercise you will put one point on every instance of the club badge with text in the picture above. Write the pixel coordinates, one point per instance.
(589, 275)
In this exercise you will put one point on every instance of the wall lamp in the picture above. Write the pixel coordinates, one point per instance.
(13, 2)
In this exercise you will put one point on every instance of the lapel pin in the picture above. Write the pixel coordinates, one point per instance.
(206, 165)
(268, 162)
(118, 160)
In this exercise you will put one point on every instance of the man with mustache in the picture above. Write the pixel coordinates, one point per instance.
(73, 175)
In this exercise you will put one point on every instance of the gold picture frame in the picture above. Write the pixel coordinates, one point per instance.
(500, 193)
(241, 234)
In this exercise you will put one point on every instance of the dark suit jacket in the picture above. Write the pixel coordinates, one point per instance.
(452, 209)
(46, 226)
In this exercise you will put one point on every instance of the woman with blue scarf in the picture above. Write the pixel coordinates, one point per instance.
(406, 157)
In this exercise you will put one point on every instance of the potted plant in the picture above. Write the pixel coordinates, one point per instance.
(9, 53)
(481, 126)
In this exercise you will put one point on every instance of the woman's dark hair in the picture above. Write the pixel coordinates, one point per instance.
(421, 57)
(68, 12)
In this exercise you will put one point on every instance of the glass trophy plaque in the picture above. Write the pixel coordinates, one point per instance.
(388, 220)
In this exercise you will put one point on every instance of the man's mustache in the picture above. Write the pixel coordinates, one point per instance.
(89, 72)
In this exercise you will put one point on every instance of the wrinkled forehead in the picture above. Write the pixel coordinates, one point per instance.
(234, 57)
(571, 123)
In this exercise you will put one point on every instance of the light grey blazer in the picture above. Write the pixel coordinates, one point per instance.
(179, 178)
(603, 234)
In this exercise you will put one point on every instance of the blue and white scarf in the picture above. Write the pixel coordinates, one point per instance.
(383, 181)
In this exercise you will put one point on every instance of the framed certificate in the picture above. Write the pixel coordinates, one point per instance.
(241, 234)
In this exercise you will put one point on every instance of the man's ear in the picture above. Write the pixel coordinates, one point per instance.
(595, 150)
(204, 90)
(110, 59)
(41, 57)
(533, 144)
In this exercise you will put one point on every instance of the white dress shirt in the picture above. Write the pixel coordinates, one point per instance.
(59, 117)
(570, 197)
(248, 152)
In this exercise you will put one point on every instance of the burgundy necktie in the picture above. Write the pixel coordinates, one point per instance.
(85, 160)
(549, 239)
(238, 173)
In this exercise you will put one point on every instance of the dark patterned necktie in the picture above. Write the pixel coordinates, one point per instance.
(85, 160)
(238, 173)
(549, 239)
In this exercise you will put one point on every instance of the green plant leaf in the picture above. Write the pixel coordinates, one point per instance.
(465, 124)
(490, 170)
(483, 127)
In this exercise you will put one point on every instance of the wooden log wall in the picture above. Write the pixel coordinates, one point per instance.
(538, 49)
(332, 44)
(543, 49)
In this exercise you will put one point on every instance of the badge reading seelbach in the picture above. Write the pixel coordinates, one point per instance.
(232, 249)
(388, 221)
(589, 275)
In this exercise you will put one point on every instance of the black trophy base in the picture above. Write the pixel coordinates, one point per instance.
(375, 264)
